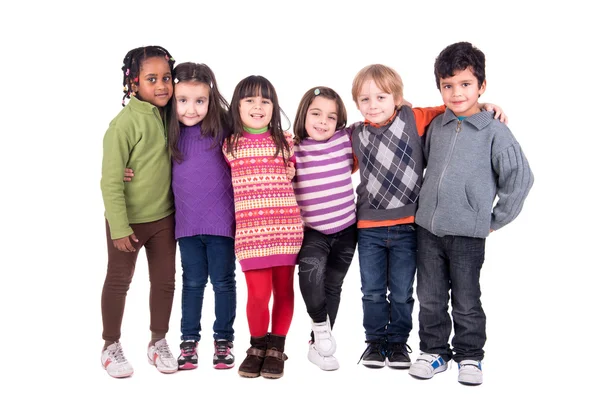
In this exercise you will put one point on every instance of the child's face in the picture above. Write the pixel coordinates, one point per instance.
(256, 112)
(321, 118)
(461, 92)
(374, 104)
(155, 85)
(192, 102)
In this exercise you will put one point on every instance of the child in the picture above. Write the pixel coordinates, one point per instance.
(472, 160)
(204, 215)
(388, 148)
(325, 195)
(141, 213)
(268, 224)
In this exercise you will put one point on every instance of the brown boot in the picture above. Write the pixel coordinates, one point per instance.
(250, 367)
(273, 366)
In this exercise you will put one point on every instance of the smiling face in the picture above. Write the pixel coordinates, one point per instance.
(321, 118)
(374, 104)
(256, 112)
(192, 102)
(154, 83)
(461, 92)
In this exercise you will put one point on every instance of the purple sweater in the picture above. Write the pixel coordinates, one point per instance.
(202, 188)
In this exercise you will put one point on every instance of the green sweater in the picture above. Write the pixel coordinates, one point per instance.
(136, 139)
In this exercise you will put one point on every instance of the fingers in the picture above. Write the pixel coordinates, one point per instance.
(134, 238)
(128, 174)
(128, 245)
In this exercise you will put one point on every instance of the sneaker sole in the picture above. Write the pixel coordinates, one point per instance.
(187, 366)
(437, 371)
(374, 364)
(399, 365)
(223, 366)
(165, 371)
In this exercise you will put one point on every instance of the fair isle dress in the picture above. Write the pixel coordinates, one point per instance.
(269, 228)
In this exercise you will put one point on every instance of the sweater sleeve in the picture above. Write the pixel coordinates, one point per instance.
(514, 181)
(424, 116)
(116, 148)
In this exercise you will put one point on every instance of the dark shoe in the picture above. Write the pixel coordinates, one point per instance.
(374, 354)
(188, 359)
(272, 368)
(223, 357)
(255, 355)
(397, 355)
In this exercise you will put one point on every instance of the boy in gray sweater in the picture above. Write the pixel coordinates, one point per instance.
(472, 160)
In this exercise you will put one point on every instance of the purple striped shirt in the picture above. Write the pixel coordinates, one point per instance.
(323, 183)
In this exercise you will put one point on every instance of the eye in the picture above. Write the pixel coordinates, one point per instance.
(333, 118)
(363, 100)
(381, 98)
(446, 86)
(314, 114)
(152, 80)
(183, 101)
(167, 78)
(466, 84)
(266, 101)
(200, 102)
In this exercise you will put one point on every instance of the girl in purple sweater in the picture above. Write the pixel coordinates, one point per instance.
(204, 213)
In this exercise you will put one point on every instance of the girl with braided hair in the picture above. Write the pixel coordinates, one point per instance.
(141, 212)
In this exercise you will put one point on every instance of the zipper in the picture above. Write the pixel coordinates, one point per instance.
(454, 139)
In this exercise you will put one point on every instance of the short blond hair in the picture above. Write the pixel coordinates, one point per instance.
(386, 78)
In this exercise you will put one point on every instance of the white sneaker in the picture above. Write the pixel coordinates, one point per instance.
(115, 363)
(324, 341)
(427, 365)
(161, 356)
(326, 363)
(470, 373)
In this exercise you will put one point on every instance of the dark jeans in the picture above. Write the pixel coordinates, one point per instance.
(387, 263)
(323, 262)
(205, 256)
(450, 264)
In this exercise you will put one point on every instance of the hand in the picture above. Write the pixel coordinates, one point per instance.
(499, 113)
(124, 243)
(290, 170)
(127, 175)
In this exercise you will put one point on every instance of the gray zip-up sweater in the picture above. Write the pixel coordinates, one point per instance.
(470, 163)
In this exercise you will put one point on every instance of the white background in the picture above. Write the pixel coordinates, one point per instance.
(61, 81)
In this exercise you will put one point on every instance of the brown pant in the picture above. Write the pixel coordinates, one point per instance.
(158, 238)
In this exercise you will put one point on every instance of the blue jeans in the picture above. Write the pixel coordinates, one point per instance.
(450, 264)
(205, 256)
(387, 257)
(323, 262)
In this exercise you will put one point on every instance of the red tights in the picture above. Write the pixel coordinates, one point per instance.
(261, 283)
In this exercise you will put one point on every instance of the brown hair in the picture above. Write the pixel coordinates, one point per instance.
(299, 129)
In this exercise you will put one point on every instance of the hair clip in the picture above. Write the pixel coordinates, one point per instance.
(125, 88)
(127, 72)
(210, 84)
(136, 79)
(317, 92)
(176, 80)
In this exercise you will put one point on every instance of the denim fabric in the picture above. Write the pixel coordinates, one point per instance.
(450, 264)
(323, 262)
(387, 257)
(205, 256)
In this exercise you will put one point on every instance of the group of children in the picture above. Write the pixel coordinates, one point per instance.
(434, 182)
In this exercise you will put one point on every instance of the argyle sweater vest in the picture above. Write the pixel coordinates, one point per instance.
(390, 161)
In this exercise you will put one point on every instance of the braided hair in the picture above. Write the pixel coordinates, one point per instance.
(132, 64)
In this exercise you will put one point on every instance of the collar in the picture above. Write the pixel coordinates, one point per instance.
(142, 106)
(389, 121)
(479, 120)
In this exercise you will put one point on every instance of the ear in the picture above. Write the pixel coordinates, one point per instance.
(482, 88)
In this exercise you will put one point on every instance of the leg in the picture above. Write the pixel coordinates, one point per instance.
(403, 253)
(373, 262)
(433, 286)
(221, 266)
(160, 251)
(194, 263)
(259, 282)
(312, 261)
(283, 299)
(466, 259)
(119, 274)
(342, 251)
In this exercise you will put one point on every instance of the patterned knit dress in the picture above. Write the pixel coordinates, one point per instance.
(269, 229)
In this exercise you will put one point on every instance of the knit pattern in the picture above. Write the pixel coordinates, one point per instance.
(202, 187)
(323, 183)
(269, 228)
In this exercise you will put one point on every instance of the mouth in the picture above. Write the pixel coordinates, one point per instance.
(257, 116)
(319, 129)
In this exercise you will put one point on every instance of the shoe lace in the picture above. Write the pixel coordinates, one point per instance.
(164, 351)
(118, 355)
(401, 347)
(222, 347)
(372, 346)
